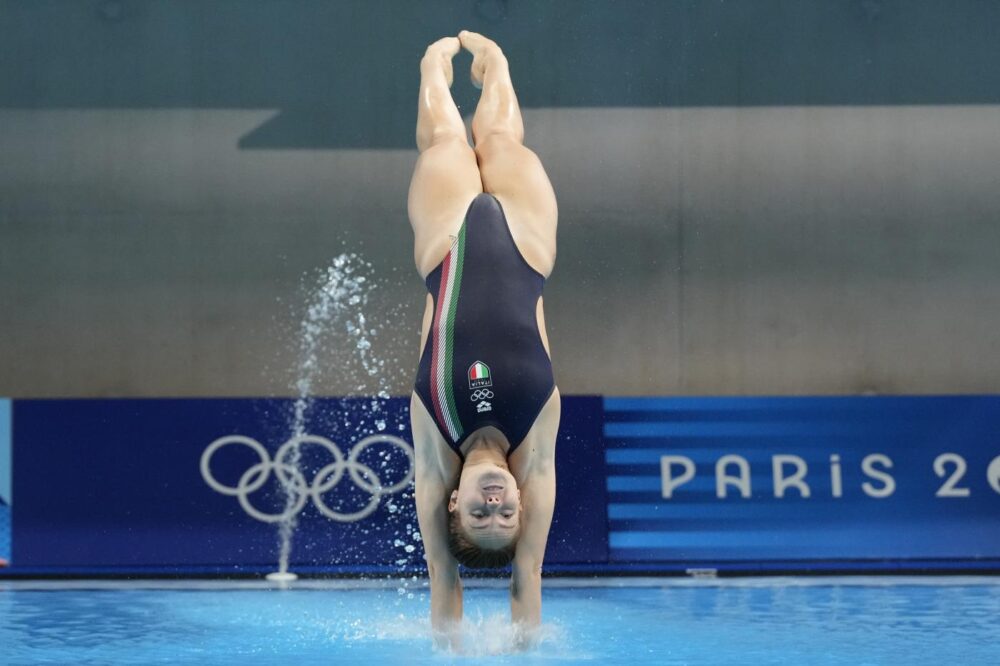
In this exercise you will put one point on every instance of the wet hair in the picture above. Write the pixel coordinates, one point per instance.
(470, 554)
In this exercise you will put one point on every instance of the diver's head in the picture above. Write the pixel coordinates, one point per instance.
(484, 516)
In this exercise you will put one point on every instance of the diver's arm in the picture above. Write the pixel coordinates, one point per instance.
(526, 594)
(442, 568)
(538, 499)
(433, 480)
(537, 482)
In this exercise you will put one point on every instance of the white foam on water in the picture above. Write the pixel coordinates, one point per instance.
(482, 636)
(495, 634)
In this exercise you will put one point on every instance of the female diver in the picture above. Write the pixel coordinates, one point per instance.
(485, 408)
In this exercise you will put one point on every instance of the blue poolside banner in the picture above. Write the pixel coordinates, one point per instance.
(771, 480)
(183, 486)
(180, 486)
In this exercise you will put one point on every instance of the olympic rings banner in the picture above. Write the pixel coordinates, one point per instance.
(645, 485)
(206, 485)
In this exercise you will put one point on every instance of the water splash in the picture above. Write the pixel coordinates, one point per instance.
(336, 305)
(495, 634)
(349, 333)
(478, 635)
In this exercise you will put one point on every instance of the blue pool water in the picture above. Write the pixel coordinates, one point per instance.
(749, 621)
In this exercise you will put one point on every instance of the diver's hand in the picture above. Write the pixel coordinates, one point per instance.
(526, 637)
(448, 637)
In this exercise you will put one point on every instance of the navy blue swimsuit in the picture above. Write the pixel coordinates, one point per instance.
(484, 363)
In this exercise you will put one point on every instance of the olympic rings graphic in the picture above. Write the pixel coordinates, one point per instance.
(294, 483)
(481, 394)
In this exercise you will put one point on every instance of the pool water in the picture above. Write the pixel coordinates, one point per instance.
(740, 621)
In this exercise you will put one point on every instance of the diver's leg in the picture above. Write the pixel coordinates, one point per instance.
(509, 170)
(498, 110)
(437, 114)
(446, 178)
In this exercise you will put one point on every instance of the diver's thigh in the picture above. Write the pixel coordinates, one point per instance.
(445, 181)
(514, 174)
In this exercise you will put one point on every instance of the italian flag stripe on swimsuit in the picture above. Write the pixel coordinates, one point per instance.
(442, 389)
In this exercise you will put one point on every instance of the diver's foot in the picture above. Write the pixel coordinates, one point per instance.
(440, 53)
(483, 50)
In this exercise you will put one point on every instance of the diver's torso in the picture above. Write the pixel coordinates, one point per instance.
(485, 361)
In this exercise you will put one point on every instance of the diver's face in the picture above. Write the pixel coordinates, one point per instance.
(488, 503)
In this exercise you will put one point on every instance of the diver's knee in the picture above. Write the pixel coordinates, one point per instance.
(444, 140)
(500, 140)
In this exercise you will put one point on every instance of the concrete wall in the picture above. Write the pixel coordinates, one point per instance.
(755, 198)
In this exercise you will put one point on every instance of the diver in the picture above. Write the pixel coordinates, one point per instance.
(485, 407)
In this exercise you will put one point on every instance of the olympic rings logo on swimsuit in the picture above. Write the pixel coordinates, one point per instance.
(481, 394)
(293, 481)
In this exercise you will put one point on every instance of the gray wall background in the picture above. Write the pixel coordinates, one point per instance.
(755, 197)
